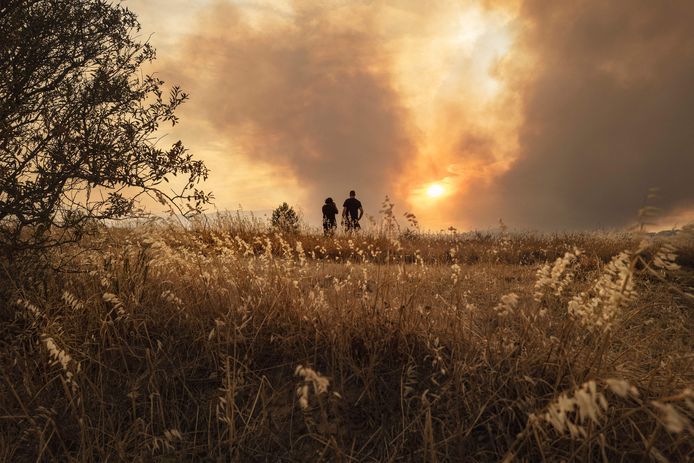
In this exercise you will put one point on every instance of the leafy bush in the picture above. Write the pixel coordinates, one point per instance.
(79, 123)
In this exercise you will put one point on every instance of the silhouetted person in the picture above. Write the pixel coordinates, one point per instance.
(329, 213)
(352, 212)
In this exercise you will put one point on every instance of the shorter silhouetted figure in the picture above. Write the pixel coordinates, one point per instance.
(329, 213)
(352, 212)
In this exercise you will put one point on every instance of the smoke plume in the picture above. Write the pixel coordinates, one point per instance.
(607, 113)
(561, 117)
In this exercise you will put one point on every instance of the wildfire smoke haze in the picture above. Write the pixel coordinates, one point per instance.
(550, 115)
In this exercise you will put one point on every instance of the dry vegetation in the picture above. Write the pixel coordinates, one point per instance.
(230, 342)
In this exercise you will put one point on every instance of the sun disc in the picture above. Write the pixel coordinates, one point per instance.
(435, 190)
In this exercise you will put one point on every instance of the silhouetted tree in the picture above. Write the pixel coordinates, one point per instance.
(285, 218)
(79, 122)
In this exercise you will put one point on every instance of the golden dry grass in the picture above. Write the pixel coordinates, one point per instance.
(229, 342)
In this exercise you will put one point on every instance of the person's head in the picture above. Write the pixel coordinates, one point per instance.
(352, 194)
(328, 200)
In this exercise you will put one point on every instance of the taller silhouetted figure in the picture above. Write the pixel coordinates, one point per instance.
(352, 212)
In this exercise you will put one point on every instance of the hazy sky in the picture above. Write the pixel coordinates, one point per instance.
(549, 115)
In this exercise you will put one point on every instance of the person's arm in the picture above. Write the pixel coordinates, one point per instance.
(361, 212)
(344, 212)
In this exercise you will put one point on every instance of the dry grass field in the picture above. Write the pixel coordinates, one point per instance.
(231, 342)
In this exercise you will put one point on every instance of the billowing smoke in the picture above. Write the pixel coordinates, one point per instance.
(309, 92)
(594, 105)
(607, 113)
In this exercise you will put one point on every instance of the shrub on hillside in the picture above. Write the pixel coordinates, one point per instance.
(285, 219)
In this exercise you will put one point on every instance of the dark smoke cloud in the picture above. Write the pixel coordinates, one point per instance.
(308, 91)
(607, 113)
